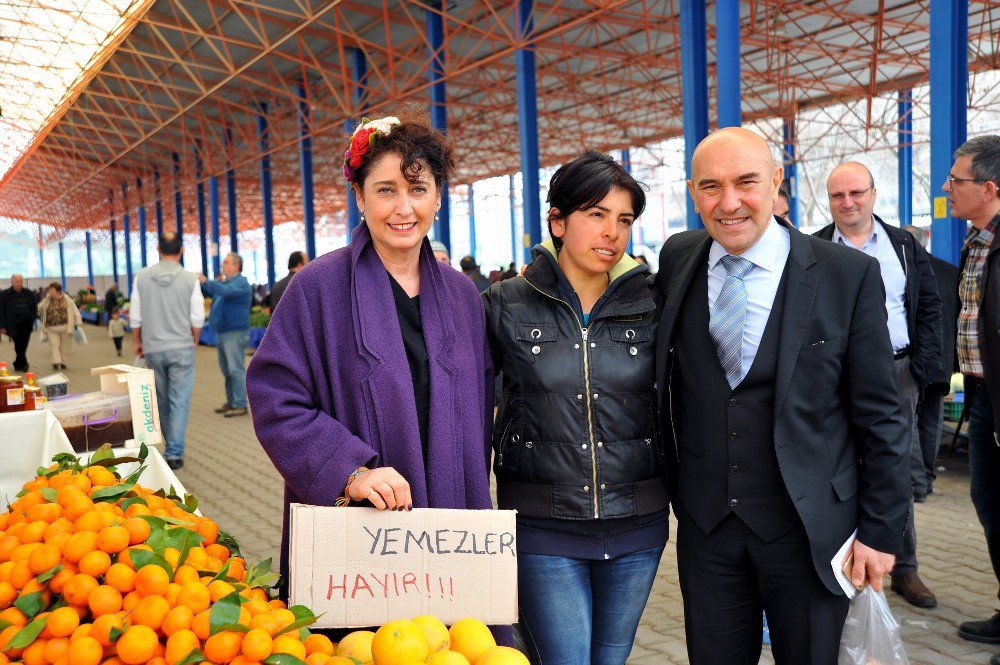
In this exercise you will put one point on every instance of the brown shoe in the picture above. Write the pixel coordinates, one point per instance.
(234, 412)
(223, 408)
(910, 587)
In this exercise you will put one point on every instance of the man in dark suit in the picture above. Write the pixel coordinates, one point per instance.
(296, 262)
(914, 323)
(18, 311)
(776, 379)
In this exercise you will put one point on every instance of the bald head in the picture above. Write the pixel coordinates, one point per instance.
(851, 192)
(734, 183)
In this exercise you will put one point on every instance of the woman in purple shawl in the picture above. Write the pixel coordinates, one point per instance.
(373, 382)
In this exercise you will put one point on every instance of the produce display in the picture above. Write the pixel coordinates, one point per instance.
(95, 568)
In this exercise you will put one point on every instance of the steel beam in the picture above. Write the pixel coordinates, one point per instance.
(90, 257)
(202, 217)
(514, 243)
(905, 157)
(159, 207)
(473, 250)
(41, 261)
(360, 73)
(306, 168)
(727, 63)
(215, 212)
(143, 233)
(439, 107)
(949, 83)
(114, 250)
(694, 88)
(234, 228)
(265, 191)
(178, 202)
(127, 238)
(788, 137)
(62, 266)
(527, 128)
(627, 165)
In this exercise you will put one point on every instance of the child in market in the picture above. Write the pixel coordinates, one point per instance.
(116, 330)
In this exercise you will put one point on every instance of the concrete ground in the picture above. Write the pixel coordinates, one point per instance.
(236, 484)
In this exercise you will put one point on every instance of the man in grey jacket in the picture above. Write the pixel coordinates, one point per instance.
(167, 312)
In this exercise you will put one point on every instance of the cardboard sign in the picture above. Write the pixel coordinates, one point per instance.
(363, 567)
(140, 385)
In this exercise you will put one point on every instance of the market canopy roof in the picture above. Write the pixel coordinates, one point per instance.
(176, 75)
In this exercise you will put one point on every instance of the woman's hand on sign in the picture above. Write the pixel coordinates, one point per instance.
(384, 487)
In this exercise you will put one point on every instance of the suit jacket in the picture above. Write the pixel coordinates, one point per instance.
(947, 276)
(278, 290)
(923, 302)
(839, 435)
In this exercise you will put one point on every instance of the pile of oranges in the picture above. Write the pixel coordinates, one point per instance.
(97, 569)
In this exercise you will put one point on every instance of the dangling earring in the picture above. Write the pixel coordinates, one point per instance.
(362, 216)
(436, 218)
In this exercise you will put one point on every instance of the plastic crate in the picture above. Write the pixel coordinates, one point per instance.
(953, 409)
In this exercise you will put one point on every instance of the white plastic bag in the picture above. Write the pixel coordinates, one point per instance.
(871, 632)
(79, 336)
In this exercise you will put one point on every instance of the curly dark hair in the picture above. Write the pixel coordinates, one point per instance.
(417, 144)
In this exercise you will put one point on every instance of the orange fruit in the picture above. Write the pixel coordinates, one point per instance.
(178, 618)
(85, 651)
(43, 558)
(399, 643)
(444, 658)
(435, 632)
(120, 577)
(34, 653)
(137, 645)
(194, 595)
(77, 590)
(21, 574)
(503, 656)
(284, 617)
(14, 616)
(208, 529)
(34, 532)
(471, 638)
(151, 580)
(317, 643)
(104, 600)
(218, 589)
(257, 644)
(8, 594)
(180, 644)
(266, 622)
(150, 612)
(89, 521)
(101, 629)
(56, 648)
(95, 563)
(138, 530)
(78, 545)
(185, 574)
(220, 552)
(200, 624)
(63, 621)
(357, 645)
(6, 635)
(223, 647)
(290, 645)
(113, 539)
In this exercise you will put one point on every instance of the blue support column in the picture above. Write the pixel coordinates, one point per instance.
(213, 205)
(127, 238)
(158, 208)
(143, 233)
(265, 192)
(791, 170)
(727, 63)
(114, 250)
(514, 240)
(694, 88)
(905, 157)
(949, 83)
(306, 168)
(90, 258)
(439, 107)
(202, 218)
(41, 261)
(62, 266)
(473, 250)
(627, 165)
(527, 127)
(360, 72)
(178, 202)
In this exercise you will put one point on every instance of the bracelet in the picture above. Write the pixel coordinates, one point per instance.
(346, 499)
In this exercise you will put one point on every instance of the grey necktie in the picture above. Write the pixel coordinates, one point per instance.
(728, 318)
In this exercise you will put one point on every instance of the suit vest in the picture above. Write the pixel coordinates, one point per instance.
(725, 437)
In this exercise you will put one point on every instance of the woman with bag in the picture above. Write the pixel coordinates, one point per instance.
(60, 317)
(577, 452)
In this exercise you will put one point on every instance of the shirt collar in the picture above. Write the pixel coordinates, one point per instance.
(986, 235)
(763, 253)
(839, 238)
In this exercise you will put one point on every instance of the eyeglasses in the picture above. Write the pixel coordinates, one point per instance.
(952, 179)
(854, 194)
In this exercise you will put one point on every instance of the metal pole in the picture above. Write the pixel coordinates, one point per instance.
(127, 238)
(527, 125)
(727, 63)
(178, 202)
(231, 195)
(473, 250)
(265, 191)
(202, 218)
(627, 165)
(514, 244)
(788, 131)
(158, 208)
(41, 260)
(949, 81)
(360, 72)
(306, 168)
(905, 157)
(694, 88)
(114, 251)
(213, 205)
(439, 106)
(62, 267)
(90, 258)
(142, 223)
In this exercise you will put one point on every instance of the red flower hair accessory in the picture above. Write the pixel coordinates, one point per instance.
(364, 137)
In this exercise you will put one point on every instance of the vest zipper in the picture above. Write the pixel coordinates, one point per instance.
(586, 386)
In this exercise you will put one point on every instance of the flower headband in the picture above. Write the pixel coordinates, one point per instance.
(364, 137)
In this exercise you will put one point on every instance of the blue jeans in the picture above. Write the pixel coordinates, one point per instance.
(232, 348)
(578, 611)
(984, 466)
(174, 372)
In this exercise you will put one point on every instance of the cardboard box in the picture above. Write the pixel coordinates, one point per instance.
(140, 385)
(363, 567)
(28, 440)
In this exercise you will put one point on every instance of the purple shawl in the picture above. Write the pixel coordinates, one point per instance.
(330, 387)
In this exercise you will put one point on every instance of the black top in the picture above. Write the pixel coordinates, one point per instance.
(408, 311)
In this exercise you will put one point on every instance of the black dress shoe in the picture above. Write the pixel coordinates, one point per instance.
(175, 462)
(995, 660)
(919, 497)
(987, 631)
(910, 587)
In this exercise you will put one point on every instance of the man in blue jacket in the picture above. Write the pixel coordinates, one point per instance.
(230, 319)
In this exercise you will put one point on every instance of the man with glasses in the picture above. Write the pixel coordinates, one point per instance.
(913, 306)
(972, 193)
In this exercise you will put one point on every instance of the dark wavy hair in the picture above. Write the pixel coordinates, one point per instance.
(416, 143)
(584, 182)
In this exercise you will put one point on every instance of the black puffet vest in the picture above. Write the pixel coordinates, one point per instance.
(725, 436)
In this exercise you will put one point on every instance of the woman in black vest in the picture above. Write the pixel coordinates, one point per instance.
(576, 448)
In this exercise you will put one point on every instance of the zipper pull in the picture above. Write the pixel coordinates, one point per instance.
(584, 331)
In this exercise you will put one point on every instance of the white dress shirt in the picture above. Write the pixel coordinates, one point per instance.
(768, 256)
(880, 246)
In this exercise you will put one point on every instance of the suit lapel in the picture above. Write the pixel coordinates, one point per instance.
(796, 313)
(677, 287)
